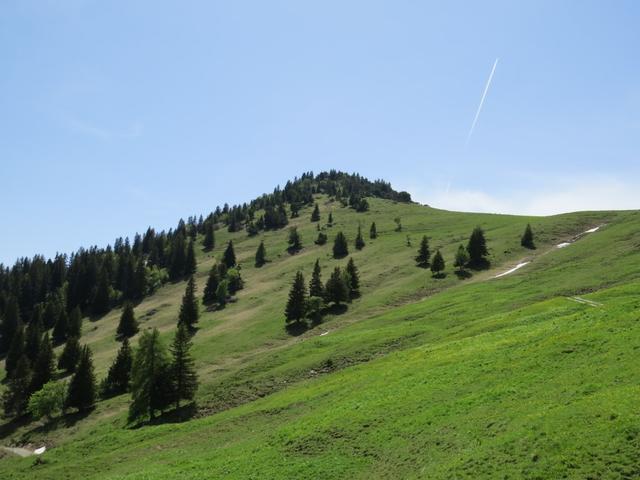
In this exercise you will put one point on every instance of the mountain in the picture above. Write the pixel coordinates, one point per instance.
(466, 374)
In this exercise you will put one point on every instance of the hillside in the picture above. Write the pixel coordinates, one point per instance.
(420, 377)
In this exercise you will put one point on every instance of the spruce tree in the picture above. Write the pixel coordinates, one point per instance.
(9, 323)
(189, 311)
(462, 257)
(261, 255)
(373, 232)
(322, 238)
(477, 249)
(140, 280)
(61, 327)
(44, 366)
(354, 279)
(340, 247)
(70, 356)
(336, 290)
(527, 238)
(51, 313)
(330, 220)
(437, 264)
(81, 393)
(190, 261)
(16, 351)
(316, 288)
(178, 257)
(150, 377)
(295, 242)
(422, 259)
(16, 396)
(33, 339)
(229, 256)
(128, 325)
(295, 309)
(315, 216)
(118, 378)
(183, 373)
(359, 240)
(222, 292)
(75, 323)
(209, 294)
(102, 296)
(209, 241)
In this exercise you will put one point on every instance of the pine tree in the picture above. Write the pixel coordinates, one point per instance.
(477, 249)
(9, 323)
(340, 247)
(437, 264)
(16, 351)
(140, 279)
(70, 356)
(16, 396)
(102, 296)
(150, 377)
(61, 327)
(234, 280)
(527, 238)
(183, 373)
(190, 261)
(261, 254)
(295, 309)
(75, 323)
(322, 238)
(128, 325)
(51, 313)
(335, 290)
(189, 311)
(209, 294)
(81, 393)
(462, 257)
(178, 257)
(354, 279)
(422, 259)
(209, 241)
(295, 242)
(315, 216)
(359, 240)
(229, 256)
(316, 288)
(44, 366)
(33, 339)
(222, 292)
(373, 232)
(118, 378)
(330, 220)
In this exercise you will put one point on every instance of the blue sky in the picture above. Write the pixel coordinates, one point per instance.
(122, 114)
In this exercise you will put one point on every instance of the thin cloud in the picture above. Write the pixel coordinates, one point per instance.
(484, 95)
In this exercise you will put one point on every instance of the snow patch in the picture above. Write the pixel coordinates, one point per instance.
(40, 451)
(563, 244)
(520, 265)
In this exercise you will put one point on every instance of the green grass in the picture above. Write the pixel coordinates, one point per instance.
(420, 378)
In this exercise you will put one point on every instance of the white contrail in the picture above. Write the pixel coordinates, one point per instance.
(484, 94)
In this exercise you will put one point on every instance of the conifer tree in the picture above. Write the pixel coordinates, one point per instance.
(229, 256)
(354, 279)
(340, 248)
(183, 373)
(61, 327)
(373, 232)
(178, 257)
(462, 257)
(128, 325)
(261, 254)
(222, 292)
(70, 356)
(190, 261)
(422, 259)
(295, 242)
(189, 311)
(44, 366)
(527, 238)
(330, 220)
(234, 280)
(33, 339)
(359, 240)
(51, 313)
(118, 378)
(9, 323)
(140, 280)
(316, 288)
(102, 295)
(477, 248)
(75, 323)
(150, 377)
(295, 309)
(16, 351)
(209, 294)
(16, 396)
(81, 393)
(209, 241)
(336, 290)
(322, 238)
(315, 215)
(437, 264)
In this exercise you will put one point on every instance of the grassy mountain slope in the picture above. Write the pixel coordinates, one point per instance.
(420, 378)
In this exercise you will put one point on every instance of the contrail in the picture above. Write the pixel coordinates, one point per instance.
(484, 94)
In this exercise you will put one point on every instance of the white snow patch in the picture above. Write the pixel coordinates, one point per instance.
(40, 451)
(577, 237)
(323, 334)
(594, 229)
(591, 303)
(563, 244)
(520, 265)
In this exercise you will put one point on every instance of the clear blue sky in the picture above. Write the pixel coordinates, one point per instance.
(122, 114)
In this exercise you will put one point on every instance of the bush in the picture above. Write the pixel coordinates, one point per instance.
(48, 401)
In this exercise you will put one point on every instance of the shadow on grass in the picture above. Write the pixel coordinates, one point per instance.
(337, 309)
(14, 424)
(63, 421)
(177, 415)
(483, 264)
(439, 275)
(463, 274)
(296, 328)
